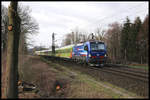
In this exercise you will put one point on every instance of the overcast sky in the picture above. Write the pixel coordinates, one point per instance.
(62, 17)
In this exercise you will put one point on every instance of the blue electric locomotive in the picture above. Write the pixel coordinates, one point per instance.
(92, 52)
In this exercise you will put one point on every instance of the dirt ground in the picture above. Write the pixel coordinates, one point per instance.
(44, 77)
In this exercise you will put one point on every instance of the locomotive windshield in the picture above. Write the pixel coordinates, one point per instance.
(97, 46)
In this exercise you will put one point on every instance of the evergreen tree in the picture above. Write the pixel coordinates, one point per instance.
(125, 38)
(133, 46)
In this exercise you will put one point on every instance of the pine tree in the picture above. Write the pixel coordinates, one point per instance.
(125, 38)
(133, 46)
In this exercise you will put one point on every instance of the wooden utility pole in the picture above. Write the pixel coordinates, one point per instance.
(53, 43)
(11, 90)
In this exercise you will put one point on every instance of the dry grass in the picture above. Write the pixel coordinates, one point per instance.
(44, 77)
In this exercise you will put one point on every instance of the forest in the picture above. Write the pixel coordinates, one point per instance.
(126, 42)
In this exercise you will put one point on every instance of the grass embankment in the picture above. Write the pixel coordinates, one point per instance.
(138, 66)
(145, 67)
(85, 86)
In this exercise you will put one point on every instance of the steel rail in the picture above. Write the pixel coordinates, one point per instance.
(108, 70)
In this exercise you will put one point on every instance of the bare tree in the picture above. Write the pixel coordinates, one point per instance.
(78, 35)
(29, 26)
(99, 34)
(4, 29)
(142, 41)
(113, 41)
(68, 40)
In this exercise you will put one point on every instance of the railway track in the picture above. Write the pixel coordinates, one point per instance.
(127, 68)
(119, 70)
(130, 71)
(132, 80)
(133, 75)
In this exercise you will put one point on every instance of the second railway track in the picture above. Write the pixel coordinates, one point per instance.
(133, 75)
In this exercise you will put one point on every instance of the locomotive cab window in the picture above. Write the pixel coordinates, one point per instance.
(86, 48)
(97, 46)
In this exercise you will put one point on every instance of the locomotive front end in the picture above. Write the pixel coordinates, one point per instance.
(97, 54)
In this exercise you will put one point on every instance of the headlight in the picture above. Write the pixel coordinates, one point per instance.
(105, 55)
(89, 55)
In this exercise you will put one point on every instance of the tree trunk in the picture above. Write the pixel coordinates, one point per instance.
(125, 56)
(141, 60)
(11, 90)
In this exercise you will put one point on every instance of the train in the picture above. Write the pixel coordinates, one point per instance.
(92, 53)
